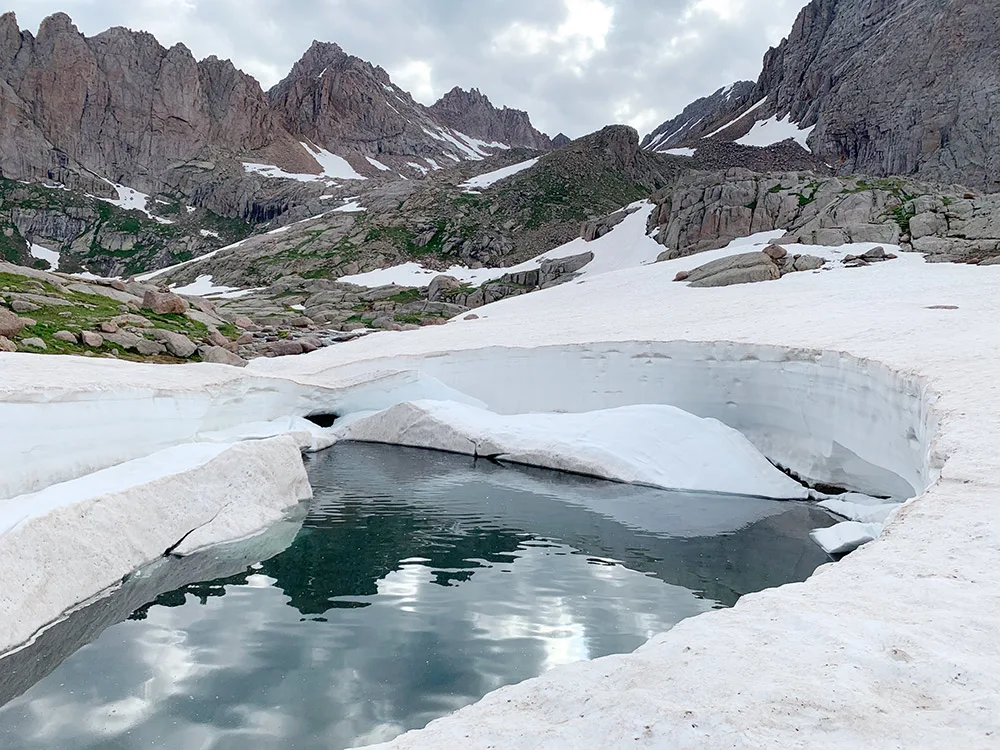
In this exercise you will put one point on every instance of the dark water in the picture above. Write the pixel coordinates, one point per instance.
(417, 583)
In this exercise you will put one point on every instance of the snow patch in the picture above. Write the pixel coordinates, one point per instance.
(43, 253)
(483, 181)
(679, 151)
(378, 165)
(771, 131)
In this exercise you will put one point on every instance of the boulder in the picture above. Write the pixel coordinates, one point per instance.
(441, 284)
(553, 269)
(148, 348)
(682, 276)
(67, 336)
(164, 303)
(217, 339)
(807, 263)
(131, 319)
(744, 268)
(10, 324)
(242, 321)
(124, 339)
(994, 261)
(218, 356)
(874, 255)
(246, 338)
(286, 348)
(927, 224)
(775, 252)
(34, 343)
(177, 344)
(23, 306)
(108, 327)
(91, 339)
(6, 345)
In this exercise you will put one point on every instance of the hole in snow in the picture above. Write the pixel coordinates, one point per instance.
(322, 420)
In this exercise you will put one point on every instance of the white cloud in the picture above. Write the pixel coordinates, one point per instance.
(416, 76)
(581, 35)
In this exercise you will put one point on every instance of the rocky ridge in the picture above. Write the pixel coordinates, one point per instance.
(879, 103)
(118, 107)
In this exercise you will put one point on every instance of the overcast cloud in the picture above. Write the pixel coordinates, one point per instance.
(574, 65)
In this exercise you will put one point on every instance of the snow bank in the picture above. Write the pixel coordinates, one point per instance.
(658, 446)
(846, 537)
(771, 131)
(626, 246)
(483, 181)
(59, 546)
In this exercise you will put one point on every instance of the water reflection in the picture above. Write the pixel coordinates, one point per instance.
(417, 583)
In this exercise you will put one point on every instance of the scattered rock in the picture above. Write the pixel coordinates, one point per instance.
(218, 356)
(177, 344)
(246, 338)
(164, 303)
(942, 307)
(34, 343)
(91, 339)
(311, 345)
(286, 348)
(242, 321)
(682, 276)
(6, 345)
(10, 324)
(875, 254)
(775, 252)
(67, 336)
(471, 316)
(109, 327)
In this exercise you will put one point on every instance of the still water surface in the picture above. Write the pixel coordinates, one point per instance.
(416, 583)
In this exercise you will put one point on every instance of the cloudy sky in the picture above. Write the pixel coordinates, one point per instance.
(574, 65)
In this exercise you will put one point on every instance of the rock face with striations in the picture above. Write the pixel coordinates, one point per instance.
(473, 114)
(122, 106)
(892, 88)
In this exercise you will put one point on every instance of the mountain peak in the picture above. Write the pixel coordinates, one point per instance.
(472, 113)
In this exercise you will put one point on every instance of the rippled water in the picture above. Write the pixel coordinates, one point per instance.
(417, 583)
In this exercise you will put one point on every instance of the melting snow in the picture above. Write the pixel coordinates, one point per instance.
(679, 151)
(490, 178)
(209, 233)
(378, 165)
(334, 168)
(626, 246)
(771, 131)
(352, 206)
(131, 200)
(43, 253)
(736, 119)
(203, 286)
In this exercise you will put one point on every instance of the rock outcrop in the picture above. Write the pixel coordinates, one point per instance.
(888, 88)
(473, 114)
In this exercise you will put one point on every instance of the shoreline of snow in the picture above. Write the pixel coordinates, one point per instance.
(62, 545)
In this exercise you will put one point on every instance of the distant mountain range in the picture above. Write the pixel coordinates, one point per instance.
(119, 107)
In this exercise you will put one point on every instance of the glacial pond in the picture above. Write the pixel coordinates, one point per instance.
(415, 583)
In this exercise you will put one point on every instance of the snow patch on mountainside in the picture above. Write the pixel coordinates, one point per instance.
(625, 246)
(483, 181)
(43, 253)
(774, 130)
